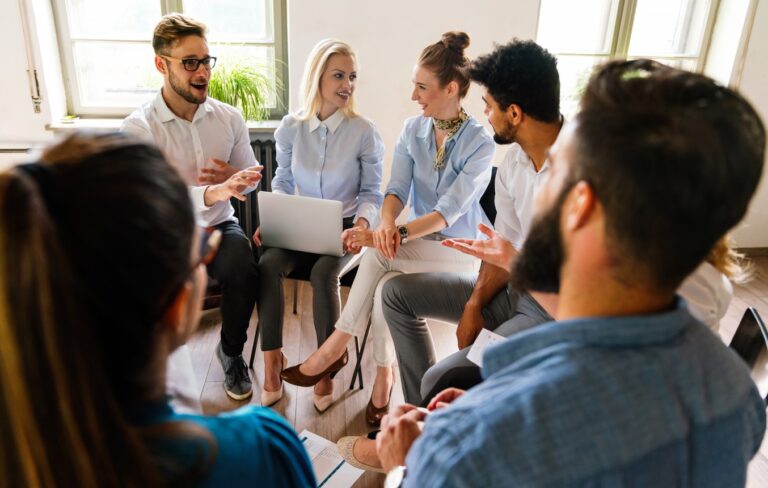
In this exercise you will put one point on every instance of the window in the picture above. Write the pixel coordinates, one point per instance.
(106, 47)
(589, 32)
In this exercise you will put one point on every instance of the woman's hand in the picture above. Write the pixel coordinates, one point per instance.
(355, 237)
(257, 237)
(386, 239)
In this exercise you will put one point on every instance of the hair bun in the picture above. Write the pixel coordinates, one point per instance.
(456, 40)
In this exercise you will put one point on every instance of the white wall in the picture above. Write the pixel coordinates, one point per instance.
(388, 37)
(753, 232)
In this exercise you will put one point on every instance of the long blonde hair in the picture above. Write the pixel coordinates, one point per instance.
(728, 261)
(316, 65)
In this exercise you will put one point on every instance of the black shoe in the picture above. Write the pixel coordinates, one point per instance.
(237, 383)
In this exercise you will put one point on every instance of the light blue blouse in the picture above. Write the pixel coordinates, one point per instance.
(339, 158)
(455, 190)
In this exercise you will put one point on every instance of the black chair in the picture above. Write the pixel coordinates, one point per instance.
(750, 342)
(301, 273)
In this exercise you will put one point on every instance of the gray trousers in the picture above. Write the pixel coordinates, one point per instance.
(274, 265)
(408, 299)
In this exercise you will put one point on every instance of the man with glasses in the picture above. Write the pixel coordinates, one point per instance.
(208, 143)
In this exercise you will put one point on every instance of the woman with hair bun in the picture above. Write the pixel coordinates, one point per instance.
(441, 166)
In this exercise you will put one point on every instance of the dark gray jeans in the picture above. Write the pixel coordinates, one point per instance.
(234, 267)
(408, 299)
(274, 265)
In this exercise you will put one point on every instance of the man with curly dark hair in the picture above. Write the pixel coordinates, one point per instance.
(522, 102)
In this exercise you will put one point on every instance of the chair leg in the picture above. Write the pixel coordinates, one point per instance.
(359, 350)
(253, 347)
(295, 295)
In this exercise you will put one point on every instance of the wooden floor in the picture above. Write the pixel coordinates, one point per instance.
(346, 416)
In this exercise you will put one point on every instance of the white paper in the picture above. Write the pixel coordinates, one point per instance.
(484, 339)
(331, 471)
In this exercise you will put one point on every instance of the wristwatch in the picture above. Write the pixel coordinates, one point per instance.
(403, 230)
(395, 477)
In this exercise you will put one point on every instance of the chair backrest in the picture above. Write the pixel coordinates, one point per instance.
(751, 336)
(488, 200)
(751, 343)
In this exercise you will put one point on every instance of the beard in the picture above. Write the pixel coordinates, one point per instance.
(183, 92)
(506, 135)
(537, 267)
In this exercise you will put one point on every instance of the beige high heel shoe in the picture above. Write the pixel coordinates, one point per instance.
(269, 398)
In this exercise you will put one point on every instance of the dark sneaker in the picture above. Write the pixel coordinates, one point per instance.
(237, 383)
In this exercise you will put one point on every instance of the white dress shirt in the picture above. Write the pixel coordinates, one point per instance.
(339, 158)
(708, 293)
(216, 131)
(516, 185)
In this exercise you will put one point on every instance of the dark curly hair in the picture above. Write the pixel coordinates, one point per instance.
(521, 73)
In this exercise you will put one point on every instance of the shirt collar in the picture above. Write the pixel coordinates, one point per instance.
(332, 123)
(631, 331)
(425, 131)
(166, 115)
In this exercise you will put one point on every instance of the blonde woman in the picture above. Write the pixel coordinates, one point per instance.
(441, 165)
(327, 151)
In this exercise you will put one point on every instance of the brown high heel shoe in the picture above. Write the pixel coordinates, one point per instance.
(293, 376)
(374, 414)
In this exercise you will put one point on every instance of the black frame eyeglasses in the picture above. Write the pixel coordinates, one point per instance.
(193, 64)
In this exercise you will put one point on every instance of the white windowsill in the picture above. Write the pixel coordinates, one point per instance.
(263, 127)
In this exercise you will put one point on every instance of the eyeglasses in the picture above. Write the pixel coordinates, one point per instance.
(192, 64)
(210, 239)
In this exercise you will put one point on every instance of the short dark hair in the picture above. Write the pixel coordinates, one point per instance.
(521, 73)
(673, 157)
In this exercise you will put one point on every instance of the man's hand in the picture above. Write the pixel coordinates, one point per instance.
(234, 186)
(219, 173)
(444, 398)
(470, 325)
(399, 430)
(496, 250)
(257, 236)
(352, 237)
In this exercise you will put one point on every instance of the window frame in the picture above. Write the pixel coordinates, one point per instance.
(71, 88)
(621, 23)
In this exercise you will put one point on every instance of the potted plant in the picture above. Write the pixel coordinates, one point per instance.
(246, 86)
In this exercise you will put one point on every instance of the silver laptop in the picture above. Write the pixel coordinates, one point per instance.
(300, 223)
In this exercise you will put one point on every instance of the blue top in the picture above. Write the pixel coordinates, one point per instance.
(643, 401)
(255, 447)
(455, 190)
(336, 159)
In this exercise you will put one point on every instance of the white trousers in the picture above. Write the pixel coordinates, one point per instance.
(364, 302)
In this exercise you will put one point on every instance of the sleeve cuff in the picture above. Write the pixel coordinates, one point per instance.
(369, 212)
(197, 194)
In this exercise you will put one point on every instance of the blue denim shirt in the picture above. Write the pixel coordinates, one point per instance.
(647, 401)
(455, 190)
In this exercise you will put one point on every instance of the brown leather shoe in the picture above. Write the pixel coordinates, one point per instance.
(373, 414)
(293, 376)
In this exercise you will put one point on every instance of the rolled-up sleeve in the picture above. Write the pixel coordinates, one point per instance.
(242, 155)
(402, 170)
(469, 184)
(370, 197)
(283, 181)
